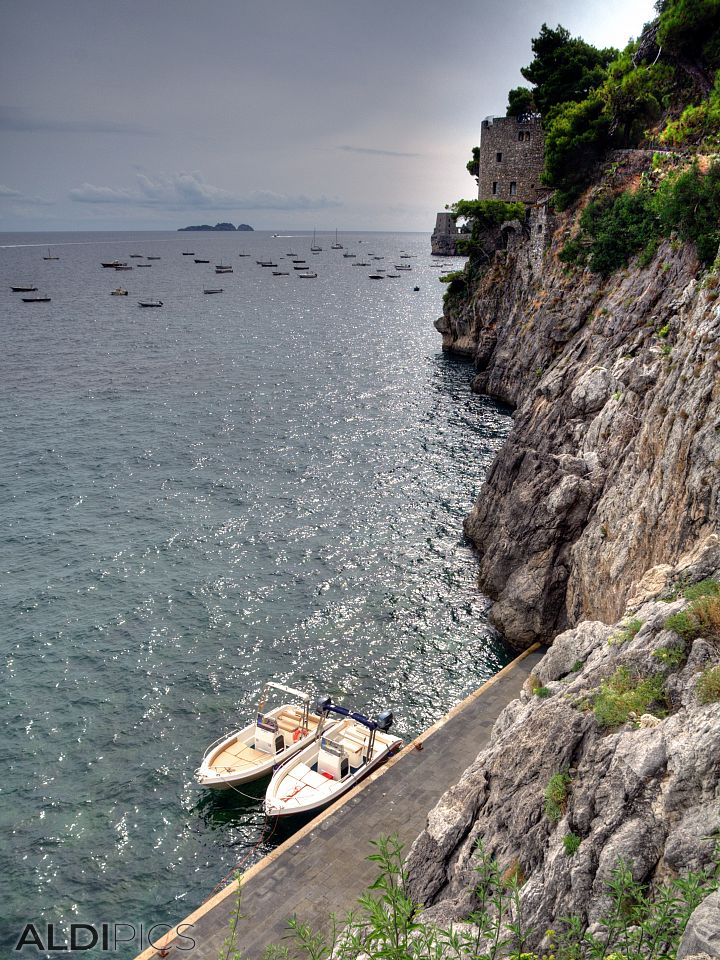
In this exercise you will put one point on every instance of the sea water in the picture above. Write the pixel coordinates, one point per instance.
(267, 483)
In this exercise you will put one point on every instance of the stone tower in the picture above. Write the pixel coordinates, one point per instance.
(511, 159)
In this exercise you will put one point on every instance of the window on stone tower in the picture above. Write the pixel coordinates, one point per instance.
(498, 157)
(494, 186)
(513, 188)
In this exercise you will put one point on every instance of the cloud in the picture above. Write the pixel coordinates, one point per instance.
(13, 119)
(378, 153)
(182, 191)
(7, 193)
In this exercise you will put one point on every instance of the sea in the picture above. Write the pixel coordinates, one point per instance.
(266, 483)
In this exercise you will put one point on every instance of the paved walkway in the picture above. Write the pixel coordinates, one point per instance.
(322, 869)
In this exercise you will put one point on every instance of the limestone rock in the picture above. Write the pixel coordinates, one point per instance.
(577, 355)
(702, 934)
(645, 791)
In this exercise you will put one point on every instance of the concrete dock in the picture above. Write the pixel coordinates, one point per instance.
(322, 869)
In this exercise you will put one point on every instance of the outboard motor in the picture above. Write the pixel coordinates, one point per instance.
(323, 704)
(385, 720)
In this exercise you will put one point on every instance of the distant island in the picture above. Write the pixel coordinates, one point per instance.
(218, 226)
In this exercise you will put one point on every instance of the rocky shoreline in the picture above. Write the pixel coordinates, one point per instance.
(601, 507)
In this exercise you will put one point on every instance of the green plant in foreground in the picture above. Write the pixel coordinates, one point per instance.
(387, 925)
(708, 685)
(556, 795)
(623, 694)
(542, 692)
(571, 843)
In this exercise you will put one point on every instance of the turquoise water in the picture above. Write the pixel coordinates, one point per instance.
(266, 483)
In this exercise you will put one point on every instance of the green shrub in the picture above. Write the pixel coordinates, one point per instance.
(639, 923)
(628, 632)
(704, 588)
(556, 795)
(543, 692)
(578, 665)
(571, 842)
(623, 694)
(672, 655)
(701, 618)
(708, 685)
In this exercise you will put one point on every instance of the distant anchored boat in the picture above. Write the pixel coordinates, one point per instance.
(118, 292)
(213, 290)
(24, 288)
(50, 256)
(41, 298)
(113, 263)
(150, 303)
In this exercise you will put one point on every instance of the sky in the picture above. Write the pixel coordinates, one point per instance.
(284, 114)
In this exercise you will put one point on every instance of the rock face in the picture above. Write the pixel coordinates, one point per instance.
(611, 468)
(647, 791)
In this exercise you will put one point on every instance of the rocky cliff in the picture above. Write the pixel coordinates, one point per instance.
(598, 511)
(611, 468)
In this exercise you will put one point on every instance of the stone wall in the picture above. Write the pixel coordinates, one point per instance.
(511, 152)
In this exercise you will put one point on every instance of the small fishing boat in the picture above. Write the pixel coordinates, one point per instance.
(274, 736)
(188, 253)
(198, 260)
(50, 256)
(41, 298)
(213, 290)
(403, 266)
(118, 292)
(223, 268)
(348, 255)
(307, 276)
(243, 254)
(392, 276)
(123, 266)
(24, 288)
(361, 263)
(281, 273)
(332, 764)
(267, 263)
(301, 266)
(415, 289)
(136, 256)
(376, 276)
(138, 265)
(150, 303)
(113, 263)
(153, 258)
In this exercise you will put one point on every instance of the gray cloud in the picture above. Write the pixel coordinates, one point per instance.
(15, 120)
(379, 153)
(181, 191)
(7, 193)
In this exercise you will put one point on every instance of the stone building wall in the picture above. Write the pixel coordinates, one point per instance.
(511, 159)
(442, 241)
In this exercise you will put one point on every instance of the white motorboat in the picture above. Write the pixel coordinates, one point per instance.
(332, 764)
(274, 736)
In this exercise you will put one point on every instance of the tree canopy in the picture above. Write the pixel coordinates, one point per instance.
(564, 68)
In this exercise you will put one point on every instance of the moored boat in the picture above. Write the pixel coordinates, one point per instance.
(118, 292)
(150, 303)
(274, 736)
(213, 290)
(41, 298)
(24, 288)
(330, 766)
